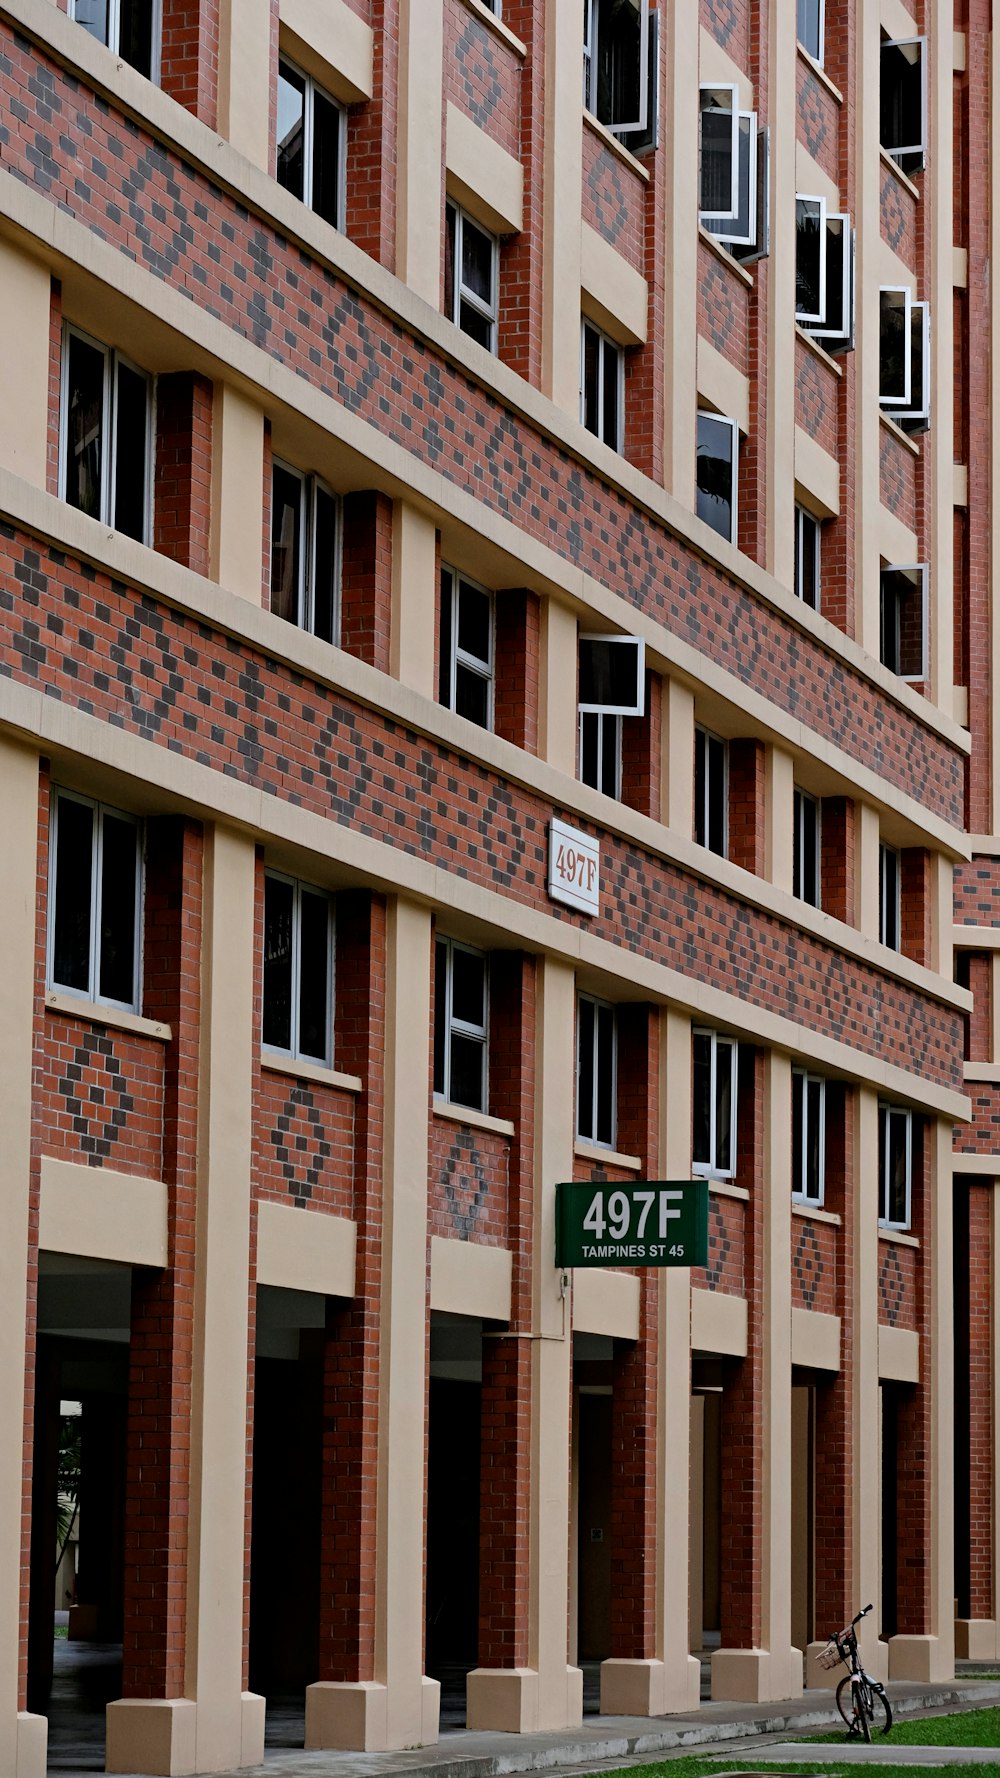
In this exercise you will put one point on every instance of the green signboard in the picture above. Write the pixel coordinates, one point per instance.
(649, 1222)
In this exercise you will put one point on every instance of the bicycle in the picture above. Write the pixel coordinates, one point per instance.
(861, 1700)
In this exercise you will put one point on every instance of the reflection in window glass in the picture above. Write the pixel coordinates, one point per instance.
(716, 474)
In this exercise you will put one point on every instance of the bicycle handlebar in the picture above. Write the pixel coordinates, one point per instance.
(861, 1614)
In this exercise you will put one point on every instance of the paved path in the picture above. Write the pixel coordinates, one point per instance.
(883, 1753)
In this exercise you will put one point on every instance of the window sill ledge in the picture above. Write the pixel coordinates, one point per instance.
(904, 178)
(819, 351)
(115, 1016)
(497, 26)
(727, 259)
(612, 143)
(815, 1212)
(820, 72)
(592, 1151)
(315, 1071)
(476, 1120)
(898, 434)
(899, 1236)
(722, 1188)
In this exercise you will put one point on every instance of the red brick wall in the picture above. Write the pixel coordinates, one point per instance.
(467, 1183)
(366, 578)
(723, 308)
(370, 184)
(833, 1522)
(189, 60)
(482, 75)
(898, 480)
(980, 1385)
(521, 270)
(746, 805)
(898, 218)
(642, 753)
(817, 410)
(613, 199)
(182, 502)
(303, 1147)
(515, 691)
(818, 115)
(814, 1265)
(837, 857)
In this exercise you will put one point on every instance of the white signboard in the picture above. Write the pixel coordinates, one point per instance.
(574, 868)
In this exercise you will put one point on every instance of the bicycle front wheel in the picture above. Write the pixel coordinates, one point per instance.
(881, 1711)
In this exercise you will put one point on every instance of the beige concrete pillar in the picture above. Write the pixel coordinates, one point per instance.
(236, 539)
(399, 1707)
(931, 1657)
(562, 223)
(679, 128)
(420, 148)
(942, 888)
(775, 1669)
(939, 443)
(678, 746)
(23, 1737)
(245, 78)
(413, 637)
(779, 817)
(557, 697)
(867, 1406)
(866, 871)
(868, 247)
(216, 1725)
(780, 533)
(24, 365)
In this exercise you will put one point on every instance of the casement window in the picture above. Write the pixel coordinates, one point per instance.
(810, 25)
(461, 1023)
(807, 557)
(713, 1143)
(734, 178)
(602, 386)
(466, 653)
(95, 901)
(310, 143)
(305, 552)
(808, 1137)
(889, 897)
(903, 620)
(717, 464)
(131, 29)
(471, 277)
(711, 791)
(895, 1166)
(298, 969)
(612, 686)
(824, 273)
(805, 848)
(904, 358)
(903, 101)
(620, 65)
(596, 1071)
(105, 448)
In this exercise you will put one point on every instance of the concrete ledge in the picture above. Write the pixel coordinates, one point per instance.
(606, 1303)
(899, 1355)
(718, 1323)
(354, 1715)
(756, 1675)
(32, 1745)
(470, 1279)
(102, 1214)
(976, 1639)
(305, 1249)
(816, 1341)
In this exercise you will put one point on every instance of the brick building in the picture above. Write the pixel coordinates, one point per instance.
(403, 448)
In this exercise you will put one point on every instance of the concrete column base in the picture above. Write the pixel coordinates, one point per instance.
(503, 1698)
(160, 1736)
(649, 1688)
(923, 1658)
(354, 1714)
(26, 1745)
(756, 1675)
(821, 1678)
(976, 1639)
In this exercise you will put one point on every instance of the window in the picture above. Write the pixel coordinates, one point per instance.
(903, 620)
(106, 444)
(596, 1071)
(824, 273)
(612, 685)
(471, 277)
(904, 358)
(807, 542)
(808, 1137)
(810, 27)
(889, 914)
(460, 1024)
(130, 28)
(895, 1166)
(305, 552)
(903, 101)
(310, 143)
(718, 450)
(620, 64)
(602, 386)
(298, 969)
(734, 199)
(95, 901)
(466, 651)
(713, 1147)
(711, 791)
(805, 848)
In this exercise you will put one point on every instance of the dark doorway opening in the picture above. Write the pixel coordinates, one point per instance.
(453, 1489)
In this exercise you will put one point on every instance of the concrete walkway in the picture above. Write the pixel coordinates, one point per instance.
(605, 1743)
(880, 1753)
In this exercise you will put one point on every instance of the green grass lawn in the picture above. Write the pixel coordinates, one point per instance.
(960, 1728)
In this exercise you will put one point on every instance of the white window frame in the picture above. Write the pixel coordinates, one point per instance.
(805, 317)
(915, 149)
(295, 1050)
(801, 1083)
(702, 737)
(638, 708)
(818, 54)
(462, 1027)
(305, 592)
(113, 39)
(590, 1134)
(800, 798)
(91, 992)
(911, 408)
(109, 426)
(910, 568)
(603, 339)
(838, 338)
(886, 1114)
(645, 124)
(755, 242)
(890, 897)
(804, 518)
(604, 722)
(734, 427)
(490, 312)
(711, 1169)
(311, 88)
(485, 670)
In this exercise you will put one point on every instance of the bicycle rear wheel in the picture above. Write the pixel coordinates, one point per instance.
(845, 1702)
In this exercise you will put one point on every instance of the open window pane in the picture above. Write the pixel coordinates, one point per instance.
(291, 130)
(286, 543)
(903, 101)
(94, 16)
(131, 451)
(612, 674)
(716, 474)
(279, 901)
(809, 25)
(916, 417)
(326, 151)
(85, 425)
(136, 29)
(468, 998)
(314, 975)
(807, 557)
(604, 1102)
(810, 259)
(889, 888)
(618, 64)
(836, 326)
(73, 890)
(325, 565)
(117, 937)
(725, 1056)
(903, 620)
(719, 155)
(701, 1092)
(894, 347)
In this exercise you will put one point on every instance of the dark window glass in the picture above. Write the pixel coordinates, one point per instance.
(135, 37)
(130, 452)
(286, 543)
(814, 1132)
(889, 875)
(805, 878)
(807, 545)
(450, 232)
(809, 234)
(73, 889)
(279, 903)
(472, 695)
(591, 380)
(701, 1143)
(468, 992)
(326, 157)
(716, 160)
(838, 237)
(477, 261)
(798, 1129)
(93, 16)
(611, 430)
(314, 975)
(893, 1170)
(467, 1055)
(474, 621)
(710, 791)
(117, 941)
(85, 426)
(440, 1013)
(715, 474)
(902, 103)
(809, 27)
(894, 380)
(609, 672)
(723, 1158)
(618, 74)
(291, 130)
(604, 1109)
(444, 640)
(325, 566)
(585, 1069)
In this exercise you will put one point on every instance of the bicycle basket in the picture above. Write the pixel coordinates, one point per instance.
(831, 1656)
